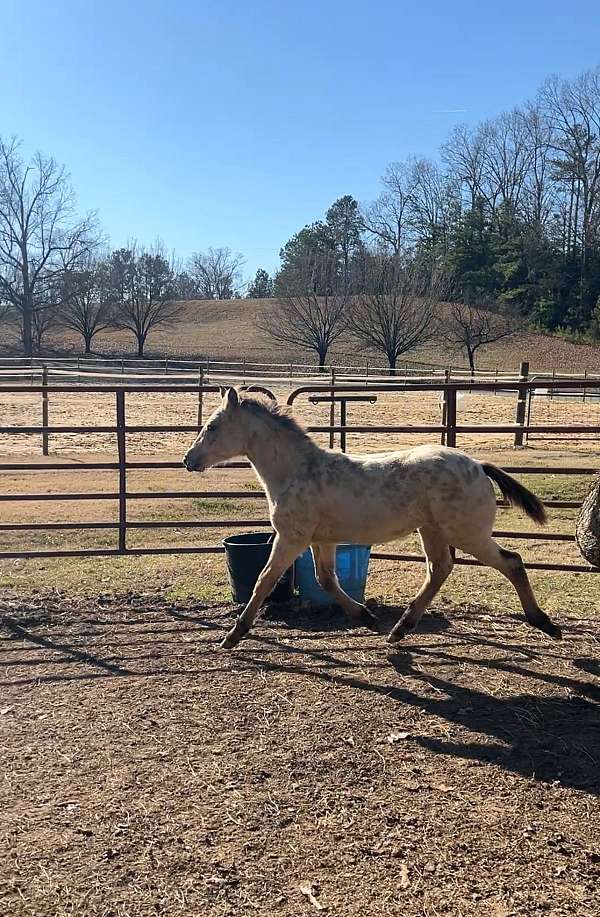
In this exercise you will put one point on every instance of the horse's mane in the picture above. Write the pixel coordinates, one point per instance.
(279, 415)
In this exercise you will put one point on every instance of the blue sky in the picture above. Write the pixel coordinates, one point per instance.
(231, 123)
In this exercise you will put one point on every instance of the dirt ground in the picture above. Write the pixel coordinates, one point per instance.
(145, 771)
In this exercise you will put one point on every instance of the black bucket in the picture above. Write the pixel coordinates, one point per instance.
(246, 556)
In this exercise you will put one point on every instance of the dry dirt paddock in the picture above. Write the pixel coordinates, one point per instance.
(143, 771)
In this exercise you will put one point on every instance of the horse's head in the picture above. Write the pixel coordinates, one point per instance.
(222, 437)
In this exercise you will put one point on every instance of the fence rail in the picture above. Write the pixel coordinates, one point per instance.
(122, 495)
(86, 369)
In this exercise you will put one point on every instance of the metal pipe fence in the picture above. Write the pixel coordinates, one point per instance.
(450, 430)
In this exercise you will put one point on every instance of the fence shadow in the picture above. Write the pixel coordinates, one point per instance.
(73, 654)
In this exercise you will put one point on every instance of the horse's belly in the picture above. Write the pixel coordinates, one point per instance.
(366, 526)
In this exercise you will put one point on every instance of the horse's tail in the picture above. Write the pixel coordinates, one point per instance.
(516, 494)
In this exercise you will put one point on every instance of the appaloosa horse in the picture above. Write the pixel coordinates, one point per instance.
(321, 498)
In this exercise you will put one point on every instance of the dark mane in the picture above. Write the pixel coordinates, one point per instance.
(279, 414)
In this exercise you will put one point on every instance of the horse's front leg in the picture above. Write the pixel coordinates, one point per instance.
(283, 553)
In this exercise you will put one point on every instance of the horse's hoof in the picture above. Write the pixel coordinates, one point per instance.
(231, 639)
(371, 621)
(399, 632)
(548, 627)
(395, 636)
(556, 633)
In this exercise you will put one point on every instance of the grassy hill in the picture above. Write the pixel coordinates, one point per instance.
(228, 330)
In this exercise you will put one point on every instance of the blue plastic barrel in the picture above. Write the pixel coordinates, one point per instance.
(351, 564)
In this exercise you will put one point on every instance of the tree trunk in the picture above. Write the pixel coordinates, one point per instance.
(392, 369)
(88, 344)
(141, 341)
(26, 331)
(471, 356)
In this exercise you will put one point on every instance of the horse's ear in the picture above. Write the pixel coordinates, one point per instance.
(231, 398)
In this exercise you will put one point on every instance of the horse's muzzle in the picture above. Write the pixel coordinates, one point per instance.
(189, 465)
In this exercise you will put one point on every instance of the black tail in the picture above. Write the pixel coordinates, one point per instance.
(516, 494)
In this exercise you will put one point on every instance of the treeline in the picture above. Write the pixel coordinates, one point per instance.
(55, 271)
(510, 213)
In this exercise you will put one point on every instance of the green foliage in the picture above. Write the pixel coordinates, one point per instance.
(326, 254)
(472, 257)
(261, 287)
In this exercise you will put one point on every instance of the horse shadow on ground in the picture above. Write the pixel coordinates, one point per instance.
(552, 739)
(543, 737)
(331, 618)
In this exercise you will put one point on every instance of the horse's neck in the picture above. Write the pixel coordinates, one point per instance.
(276, 455)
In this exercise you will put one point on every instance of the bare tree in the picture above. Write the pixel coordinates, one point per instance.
(539, 192)
(310, 315)
(464, 154)
(142, 286)
(86, 307)
(43, 321)
(435, 204)
(389, 218)
(573, 110)
(399, 310)
(40, 236)
(469, 327)
(216, 273)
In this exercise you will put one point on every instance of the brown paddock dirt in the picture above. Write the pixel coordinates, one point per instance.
(147, 772)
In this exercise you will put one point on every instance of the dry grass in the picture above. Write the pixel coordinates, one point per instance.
(229, 331)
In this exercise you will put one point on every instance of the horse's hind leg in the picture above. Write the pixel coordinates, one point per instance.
(282, 555)
(324, 558)
(439, 568)
(510, 564)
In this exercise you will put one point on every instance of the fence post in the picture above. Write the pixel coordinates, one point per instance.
(343, 424)
(529, 409)
(121, 447)
(445, 404)
(200, 396)
(584, 383)
(521, 402)
(451, 417)
(45, 437)
(332, 410)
